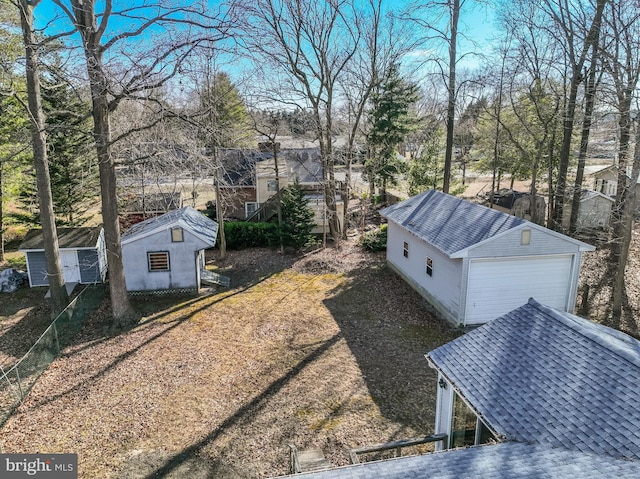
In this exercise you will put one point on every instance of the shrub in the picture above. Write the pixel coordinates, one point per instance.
(375, 240)
(242, 234)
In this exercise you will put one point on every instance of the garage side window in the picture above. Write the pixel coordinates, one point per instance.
(158, 261)
(405, 251)
(429, 266)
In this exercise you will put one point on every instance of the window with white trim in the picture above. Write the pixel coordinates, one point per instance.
(272, 185)
(405, 250)
(250, 207)
(158, 261)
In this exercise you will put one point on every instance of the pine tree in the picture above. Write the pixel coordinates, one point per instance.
(73, 169)
(392, 119)
(297, 217)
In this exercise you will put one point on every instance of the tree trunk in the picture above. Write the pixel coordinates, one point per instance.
(123, 313)
(451, 102)
(569, 117)
(584, 143)
(59, 296)
(1, 214)
(628, 211)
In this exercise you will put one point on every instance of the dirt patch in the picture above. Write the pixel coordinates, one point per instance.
(321, 350)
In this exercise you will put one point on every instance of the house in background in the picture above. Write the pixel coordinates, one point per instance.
(536, 393)
(250, 182)
(82, 254)
(606, 182)
(167, 252)
(473, 263)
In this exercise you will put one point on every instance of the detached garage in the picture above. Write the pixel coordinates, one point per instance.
(82, 254)
(473, 263)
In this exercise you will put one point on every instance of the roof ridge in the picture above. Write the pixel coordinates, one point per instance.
(618, 342)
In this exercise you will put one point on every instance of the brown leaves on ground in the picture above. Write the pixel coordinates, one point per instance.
(317, 350)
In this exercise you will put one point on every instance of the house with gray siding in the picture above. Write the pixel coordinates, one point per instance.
(473, 263)
(536, 393)
(82, 254)
(167, 252)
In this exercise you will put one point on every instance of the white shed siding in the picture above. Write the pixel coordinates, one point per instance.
(594, 212)
(442, 289)
(497, 286)
(182, 262)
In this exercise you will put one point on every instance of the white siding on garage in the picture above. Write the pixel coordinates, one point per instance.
(497, 286)
(442, 288)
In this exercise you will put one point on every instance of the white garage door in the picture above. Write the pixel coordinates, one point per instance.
(496, 287)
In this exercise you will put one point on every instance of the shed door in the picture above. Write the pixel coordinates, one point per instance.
(70, 268)
(496, 287)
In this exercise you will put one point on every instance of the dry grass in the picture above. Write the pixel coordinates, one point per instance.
(322, 350)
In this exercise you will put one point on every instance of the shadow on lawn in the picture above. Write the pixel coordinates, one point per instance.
(173, 465)
(388, 328)
(156, 308)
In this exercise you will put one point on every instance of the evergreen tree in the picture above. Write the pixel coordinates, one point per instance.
(226, 112)
(73, 169)
(297, 217)
(392, 119)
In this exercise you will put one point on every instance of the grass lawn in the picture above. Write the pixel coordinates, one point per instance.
(321, 350)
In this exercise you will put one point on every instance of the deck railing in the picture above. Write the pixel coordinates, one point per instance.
(397, 445)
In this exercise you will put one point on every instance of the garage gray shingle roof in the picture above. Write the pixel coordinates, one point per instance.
(450, 224)
(542, 376)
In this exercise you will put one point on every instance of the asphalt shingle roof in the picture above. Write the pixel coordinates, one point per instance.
(543, 376)
(500, 461)
(189, 218)
(67, 238)
(450, 224)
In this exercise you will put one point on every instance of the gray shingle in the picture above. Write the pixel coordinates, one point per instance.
(506, 460)
(565, 381)
(194, 221)
(444, 220)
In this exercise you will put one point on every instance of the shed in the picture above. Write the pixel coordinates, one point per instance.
(82, 254)
(595, 210)
(473, 263)
(167, 252)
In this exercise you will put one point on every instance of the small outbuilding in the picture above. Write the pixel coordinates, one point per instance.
(595, 210)
(473, 263)
(82, 254)
(167, 252)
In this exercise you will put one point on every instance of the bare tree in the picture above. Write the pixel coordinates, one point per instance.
(149, 70)
(59, 296)
(622, 66)
(309, 43)
(576, 29)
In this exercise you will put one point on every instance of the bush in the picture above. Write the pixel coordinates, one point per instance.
(375, 240)
(241, 234)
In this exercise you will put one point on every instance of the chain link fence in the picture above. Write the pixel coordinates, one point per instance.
(16, 382)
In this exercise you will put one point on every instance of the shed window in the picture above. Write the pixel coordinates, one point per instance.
(158, 261)
(405, 251)
(272, 185)
(177, 235)
(429, 266)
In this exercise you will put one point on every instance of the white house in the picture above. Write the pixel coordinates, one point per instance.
(167, 252)
(473, 263)
(82, 254)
